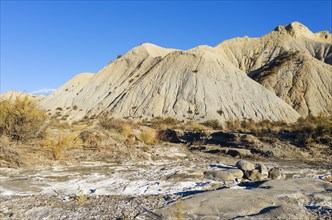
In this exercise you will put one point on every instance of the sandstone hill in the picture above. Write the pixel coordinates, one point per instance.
(12, 95)
(292, 62)
(210, 82)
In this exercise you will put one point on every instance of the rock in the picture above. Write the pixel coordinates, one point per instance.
(124, 89)
(327, 178)
(253, 175)
(189, 175)
(245, 165)
(237, 152)
(275, 173)
(237, 173)
(262, 169)
(219, 175)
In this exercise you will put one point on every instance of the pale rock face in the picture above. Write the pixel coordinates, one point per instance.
(65, 96)
(249, 54)
(302, 81)
(303, 76)
(198, 84)
(13, 95)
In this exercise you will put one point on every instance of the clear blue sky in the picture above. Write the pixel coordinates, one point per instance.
(45, 43)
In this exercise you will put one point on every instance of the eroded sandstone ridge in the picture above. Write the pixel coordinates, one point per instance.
(292, 64)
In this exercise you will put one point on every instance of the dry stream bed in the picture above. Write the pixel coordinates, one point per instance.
(163, 189)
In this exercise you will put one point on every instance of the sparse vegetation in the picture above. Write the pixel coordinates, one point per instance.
(121, 126)
(214, 124)
(60, 141)
(193, 126)
(220, 112)
(80, 196)
(314, 130)
(149, 136)
(22, 120)
(162, 123)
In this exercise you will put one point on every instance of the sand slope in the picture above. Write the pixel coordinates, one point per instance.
(208, 82)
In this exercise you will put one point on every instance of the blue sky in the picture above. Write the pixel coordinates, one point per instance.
(45, 43)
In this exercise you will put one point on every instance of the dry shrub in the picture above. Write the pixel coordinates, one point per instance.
(80, 197)
(234, 125)
(91, 138)
(60, 141)
(21, 119)
(314, 130)
(168, 135)
(121, 126)
(164, 123)
(149, 136)
(56, 123)
(214, 124)
(258, 128)
(193, 126)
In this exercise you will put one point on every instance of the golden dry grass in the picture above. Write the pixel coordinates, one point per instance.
(60, 141)
(149, 136)
(121, 126)
(22, 119)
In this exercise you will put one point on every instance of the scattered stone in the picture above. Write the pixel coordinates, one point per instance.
(245, 165)
(275, 173)
(237, 173)
(262, 169)
(238, 153)
(219, 175)
(189, 175)
(327, 178)
(253, 175)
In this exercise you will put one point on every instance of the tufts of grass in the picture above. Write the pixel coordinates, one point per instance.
(214, 124)
(149, 136)
(163, 123)
(123, 127)
(58, 142)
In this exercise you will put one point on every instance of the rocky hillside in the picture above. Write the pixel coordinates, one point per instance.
(12, 95)
(210, 82)
(292, 62)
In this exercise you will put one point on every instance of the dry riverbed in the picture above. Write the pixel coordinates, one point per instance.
(168, 188)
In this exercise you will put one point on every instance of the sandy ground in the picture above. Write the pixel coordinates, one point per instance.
(171, 188)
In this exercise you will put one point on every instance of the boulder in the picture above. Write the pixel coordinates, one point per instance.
(262, 169)
(253, 175)
(245, 165)
(237, 173)
(275, 173)
(219, 175)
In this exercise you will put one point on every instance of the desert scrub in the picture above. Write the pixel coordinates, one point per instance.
(149, 136)
(214, 124)
(58, 141)
(313, 130)
(91, 138)
(193, 126)
(80, 197)
(21, 119)
(164, 123)
(121, 126)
